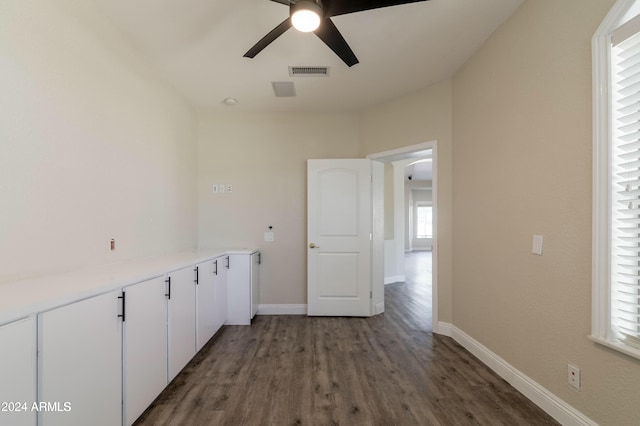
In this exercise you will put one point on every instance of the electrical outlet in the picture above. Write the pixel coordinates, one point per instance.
(573, 376)
(229, 188)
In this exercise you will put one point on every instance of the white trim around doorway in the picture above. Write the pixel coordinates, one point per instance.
(417, 151)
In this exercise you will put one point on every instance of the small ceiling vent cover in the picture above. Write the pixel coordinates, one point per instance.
(284, 89)
(308, 71)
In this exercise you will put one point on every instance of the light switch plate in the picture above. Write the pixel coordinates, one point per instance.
(221, 187)
(536, 248)
(214, 188)
(269, 237)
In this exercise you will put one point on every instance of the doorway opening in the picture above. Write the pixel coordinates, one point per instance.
(399, 258)
(417, 287)
(418, 241)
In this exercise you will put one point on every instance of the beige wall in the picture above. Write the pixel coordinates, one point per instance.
(409, 120)
(522, 165)
(264, 157)
(92, 145)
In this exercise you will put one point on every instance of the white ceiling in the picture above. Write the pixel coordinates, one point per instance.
(198, 46)
(421, 170)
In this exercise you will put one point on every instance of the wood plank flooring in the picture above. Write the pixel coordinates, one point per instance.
(385, 370)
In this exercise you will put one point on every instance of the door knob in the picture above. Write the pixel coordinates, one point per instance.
(312, 245)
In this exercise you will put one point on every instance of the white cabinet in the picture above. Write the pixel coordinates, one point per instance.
(243, 287)
(144, 351)
(181, 294)
(104, 357)
(212, 298)
(256, 260)
(206, 296)
(220, 286)
(80, 373)
(18, 372)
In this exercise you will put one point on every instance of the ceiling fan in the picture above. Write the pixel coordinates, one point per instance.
(314, 15)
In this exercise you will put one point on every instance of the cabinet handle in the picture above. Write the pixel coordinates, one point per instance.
(259, 258)
(215, 271)
(168, 294)
(228, 263)
(196, 271)
(124, 299)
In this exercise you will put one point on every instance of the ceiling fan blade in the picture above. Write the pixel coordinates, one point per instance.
(266, 40)
(329, 33)
(341, 7)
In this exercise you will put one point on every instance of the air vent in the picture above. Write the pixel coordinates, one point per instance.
(308, 71)
(284, 89)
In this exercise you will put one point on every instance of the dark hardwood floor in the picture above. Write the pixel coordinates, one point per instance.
(385, 370)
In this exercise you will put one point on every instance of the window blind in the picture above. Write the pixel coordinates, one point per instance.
(625, 190)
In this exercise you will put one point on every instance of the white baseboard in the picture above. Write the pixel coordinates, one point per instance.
(297, 309)
(394, 279)
(443, 328)
(550, 403)
(290, 309)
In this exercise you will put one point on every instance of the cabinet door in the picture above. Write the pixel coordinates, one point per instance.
(255, 282)
(18, 372)
(80, 363)
(144, 346)
(239, 290)
(206, 302)
(182, 319)
(220, 286)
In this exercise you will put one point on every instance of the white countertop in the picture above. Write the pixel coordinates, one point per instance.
(22, 298)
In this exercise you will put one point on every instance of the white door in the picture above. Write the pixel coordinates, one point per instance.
(256, 259)
(239, 289)
(339, 226)
(81, 363)
(220, 287)
(145, 346)
(18, 372)
(182, 319)
(207, 318)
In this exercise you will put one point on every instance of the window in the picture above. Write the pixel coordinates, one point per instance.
(616, 182)
(424, 226)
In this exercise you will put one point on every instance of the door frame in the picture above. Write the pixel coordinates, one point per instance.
(414, 151)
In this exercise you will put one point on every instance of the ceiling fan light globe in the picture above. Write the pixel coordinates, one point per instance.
(305, 16)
